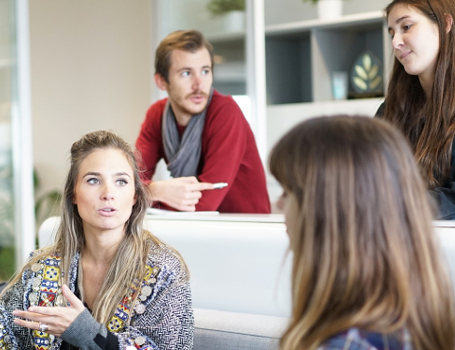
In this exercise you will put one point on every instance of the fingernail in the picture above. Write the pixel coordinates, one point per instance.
(15, 313)
(31, 309)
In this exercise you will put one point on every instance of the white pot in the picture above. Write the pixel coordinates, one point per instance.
(329, 9)
(234, 21)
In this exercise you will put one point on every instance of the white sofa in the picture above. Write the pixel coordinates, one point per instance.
(240, 278)
(446, 233)
(239, 274)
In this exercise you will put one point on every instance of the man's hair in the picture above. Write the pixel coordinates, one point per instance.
(186, 40)
(364, 251)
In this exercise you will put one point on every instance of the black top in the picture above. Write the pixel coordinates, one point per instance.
(108, 343)
(443, 197)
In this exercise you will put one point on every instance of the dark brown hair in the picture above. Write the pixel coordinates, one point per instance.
(427, 122)
(189, 40)
(364, 251)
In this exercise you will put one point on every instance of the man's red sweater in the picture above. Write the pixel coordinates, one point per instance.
(229, 154)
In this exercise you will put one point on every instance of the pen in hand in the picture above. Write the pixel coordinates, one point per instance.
(219, 185)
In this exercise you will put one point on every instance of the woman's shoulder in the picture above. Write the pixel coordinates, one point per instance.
(165, 258)
(161, 253)
(380, 112)
(357, 339)
(41, 257)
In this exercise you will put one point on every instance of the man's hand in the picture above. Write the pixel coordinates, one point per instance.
(56, 319)
(181, 193)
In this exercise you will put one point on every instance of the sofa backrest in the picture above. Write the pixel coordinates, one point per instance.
(238, 263)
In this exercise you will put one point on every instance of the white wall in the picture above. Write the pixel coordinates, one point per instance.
(91, 68)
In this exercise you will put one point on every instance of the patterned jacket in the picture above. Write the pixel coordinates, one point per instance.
(356, 339)
(162, 317)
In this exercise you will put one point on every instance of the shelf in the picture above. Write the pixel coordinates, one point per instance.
(230, 72)
(360, 19)
(229, 76)
(288, 67)
(302, 56)
(218, 38)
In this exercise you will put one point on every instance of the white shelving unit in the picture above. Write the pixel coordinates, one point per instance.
(347, 20)
(300, 59)
(229, 74)
(301, 56)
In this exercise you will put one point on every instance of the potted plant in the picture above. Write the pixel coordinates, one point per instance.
(47, 204)
(232, 11)
(328, 9)
(222, 7)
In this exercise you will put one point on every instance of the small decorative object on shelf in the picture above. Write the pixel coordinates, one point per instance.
(367, 76)
(233, 12)
(340, 84)
(222, 7)
(328, 9)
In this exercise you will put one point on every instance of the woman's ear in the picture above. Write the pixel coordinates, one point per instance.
(449, 22)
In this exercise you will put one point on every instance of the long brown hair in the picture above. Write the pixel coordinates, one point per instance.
(427, 121)
(130, 259)
(70, 236)
(364, 252)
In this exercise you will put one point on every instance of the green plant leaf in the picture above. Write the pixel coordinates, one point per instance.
(221, 7)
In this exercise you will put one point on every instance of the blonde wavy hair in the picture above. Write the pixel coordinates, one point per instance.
(130, 259)
(364, 251)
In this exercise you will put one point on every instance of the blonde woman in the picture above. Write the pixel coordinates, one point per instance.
(105, 283)
(366, 270)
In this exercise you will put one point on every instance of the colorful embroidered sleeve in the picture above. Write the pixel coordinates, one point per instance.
(8, 337)
(37, 286)
(162, 317)
(20, 296)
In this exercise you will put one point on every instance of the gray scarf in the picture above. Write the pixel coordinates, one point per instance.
(183, 155)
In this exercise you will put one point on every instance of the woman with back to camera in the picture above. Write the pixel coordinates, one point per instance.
(420, 100)
(105, 283)
(367, 271)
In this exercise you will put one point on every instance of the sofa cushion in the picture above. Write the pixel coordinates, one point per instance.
(222, 330)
